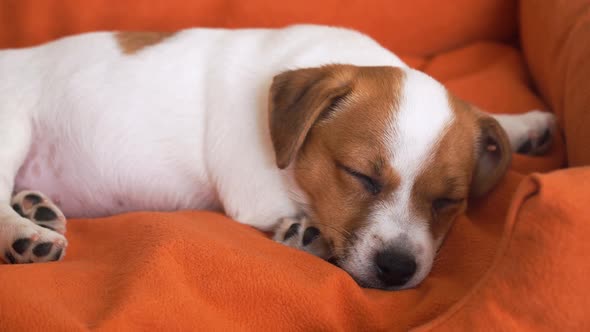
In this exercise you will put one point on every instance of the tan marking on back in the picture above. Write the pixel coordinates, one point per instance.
(132, 42)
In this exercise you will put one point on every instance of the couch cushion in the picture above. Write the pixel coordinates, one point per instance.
(555, 38)
(412, 27)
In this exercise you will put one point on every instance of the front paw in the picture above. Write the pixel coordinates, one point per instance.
(299, 234)
(26, 242)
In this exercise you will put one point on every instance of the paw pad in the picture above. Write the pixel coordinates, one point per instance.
(10, 258)
(32, 199)
(292, 231)
(297, 233)
(310, 235)
(36, 235)
(39, 209)
(21, 245)
(44, 214)
(44, 246)
(42, 249)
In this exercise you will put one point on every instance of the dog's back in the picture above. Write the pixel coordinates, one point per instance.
(146, 121)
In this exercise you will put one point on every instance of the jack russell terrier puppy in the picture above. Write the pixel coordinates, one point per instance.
(317, 133)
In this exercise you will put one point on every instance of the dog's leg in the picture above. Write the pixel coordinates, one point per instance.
(529, 133)
(21, 241)
(297, 233)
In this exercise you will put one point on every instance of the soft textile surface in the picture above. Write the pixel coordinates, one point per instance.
(416, 27)
(539, 278)
(556, 41)
(193, 270)
(516, 260)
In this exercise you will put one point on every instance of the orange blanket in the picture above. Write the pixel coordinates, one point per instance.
(189, 270)
(517, 260)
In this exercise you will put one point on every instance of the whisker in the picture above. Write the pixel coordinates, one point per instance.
(337, 229)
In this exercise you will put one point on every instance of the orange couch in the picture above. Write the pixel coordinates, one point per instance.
(516, 261)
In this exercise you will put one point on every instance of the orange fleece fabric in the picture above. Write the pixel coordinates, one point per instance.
(419, 27)
(515, 261)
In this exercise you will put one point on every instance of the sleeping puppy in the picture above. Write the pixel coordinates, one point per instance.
(317, 133)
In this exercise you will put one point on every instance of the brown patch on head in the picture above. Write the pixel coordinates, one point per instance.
(442, 188)
(331, 122)
(132, 42)
(468, 160)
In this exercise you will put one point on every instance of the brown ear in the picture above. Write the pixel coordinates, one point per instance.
(493, 156)
(298, 98)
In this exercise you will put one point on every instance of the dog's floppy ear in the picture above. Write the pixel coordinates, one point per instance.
(493, 156)
(298, 98)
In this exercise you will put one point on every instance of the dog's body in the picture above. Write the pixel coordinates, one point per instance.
(198, 100)
(106, 123)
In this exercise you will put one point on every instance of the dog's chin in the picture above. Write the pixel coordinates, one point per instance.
(367, 277)
(374, 283)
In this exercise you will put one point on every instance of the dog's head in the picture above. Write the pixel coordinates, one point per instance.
(387, 158)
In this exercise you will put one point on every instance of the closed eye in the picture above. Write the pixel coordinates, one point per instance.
(372, 185)
(444, 203)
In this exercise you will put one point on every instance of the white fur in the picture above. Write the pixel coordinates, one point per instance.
(179, 125)
(420, 120)
(527, 126)
(183, 125)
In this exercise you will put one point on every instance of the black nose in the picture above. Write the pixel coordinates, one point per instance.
(394, 268)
